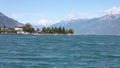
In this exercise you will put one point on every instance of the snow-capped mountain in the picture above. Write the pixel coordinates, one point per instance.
(105, 25)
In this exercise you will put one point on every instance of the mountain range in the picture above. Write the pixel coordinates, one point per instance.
(8, 22)
(105, 25)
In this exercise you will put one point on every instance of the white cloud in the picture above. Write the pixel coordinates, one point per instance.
(114, 10)
(29, 17)
(71, 16)
(43, 22)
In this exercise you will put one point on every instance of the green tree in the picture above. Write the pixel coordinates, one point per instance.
(38, 29)
(63, 30)
(44, 30)
(60, 30)
(50, 30)
(56, 30)
(53, 29)
(71, 31)
(28, 28)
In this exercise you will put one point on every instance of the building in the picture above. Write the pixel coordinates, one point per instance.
(18, 29)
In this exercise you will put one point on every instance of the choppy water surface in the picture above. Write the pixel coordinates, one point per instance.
(59, 51)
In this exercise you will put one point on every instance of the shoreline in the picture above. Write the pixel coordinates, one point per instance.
(59, 34)
(37, 33)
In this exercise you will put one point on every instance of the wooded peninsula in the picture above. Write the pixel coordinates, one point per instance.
(28, 28)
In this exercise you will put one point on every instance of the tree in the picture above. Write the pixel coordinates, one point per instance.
(38, 29)
(48, 29)
(53, 30)
(71, 31)
(63, 30)
(60, 30)
(56, 30)
(44, 29)
(28, 28)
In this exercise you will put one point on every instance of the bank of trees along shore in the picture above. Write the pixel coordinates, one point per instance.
(48, 30)
(45, 30)
(58, 30)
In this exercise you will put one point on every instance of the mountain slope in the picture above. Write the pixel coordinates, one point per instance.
(106, 25)
(8, 22)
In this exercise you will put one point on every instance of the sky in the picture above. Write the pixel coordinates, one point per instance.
(47, 12)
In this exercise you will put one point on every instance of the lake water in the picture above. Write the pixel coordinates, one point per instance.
(59, 51)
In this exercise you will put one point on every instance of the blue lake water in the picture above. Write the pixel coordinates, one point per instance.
(59, 51)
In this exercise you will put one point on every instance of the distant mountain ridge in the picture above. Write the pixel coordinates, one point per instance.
(105, 25)
(8, 22)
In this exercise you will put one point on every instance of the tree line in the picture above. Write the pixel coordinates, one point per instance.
(48, 30)
(58, 30)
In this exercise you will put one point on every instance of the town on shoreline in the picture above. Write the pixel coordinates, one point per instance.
(28, 29)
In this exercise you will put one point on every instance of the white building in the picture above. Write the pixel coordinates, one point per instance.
(18, 29)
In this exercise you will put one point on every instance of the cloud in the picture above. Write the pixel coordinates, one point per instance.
(43, 22)
(32, 18)
(114, 10)
(71, 16)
